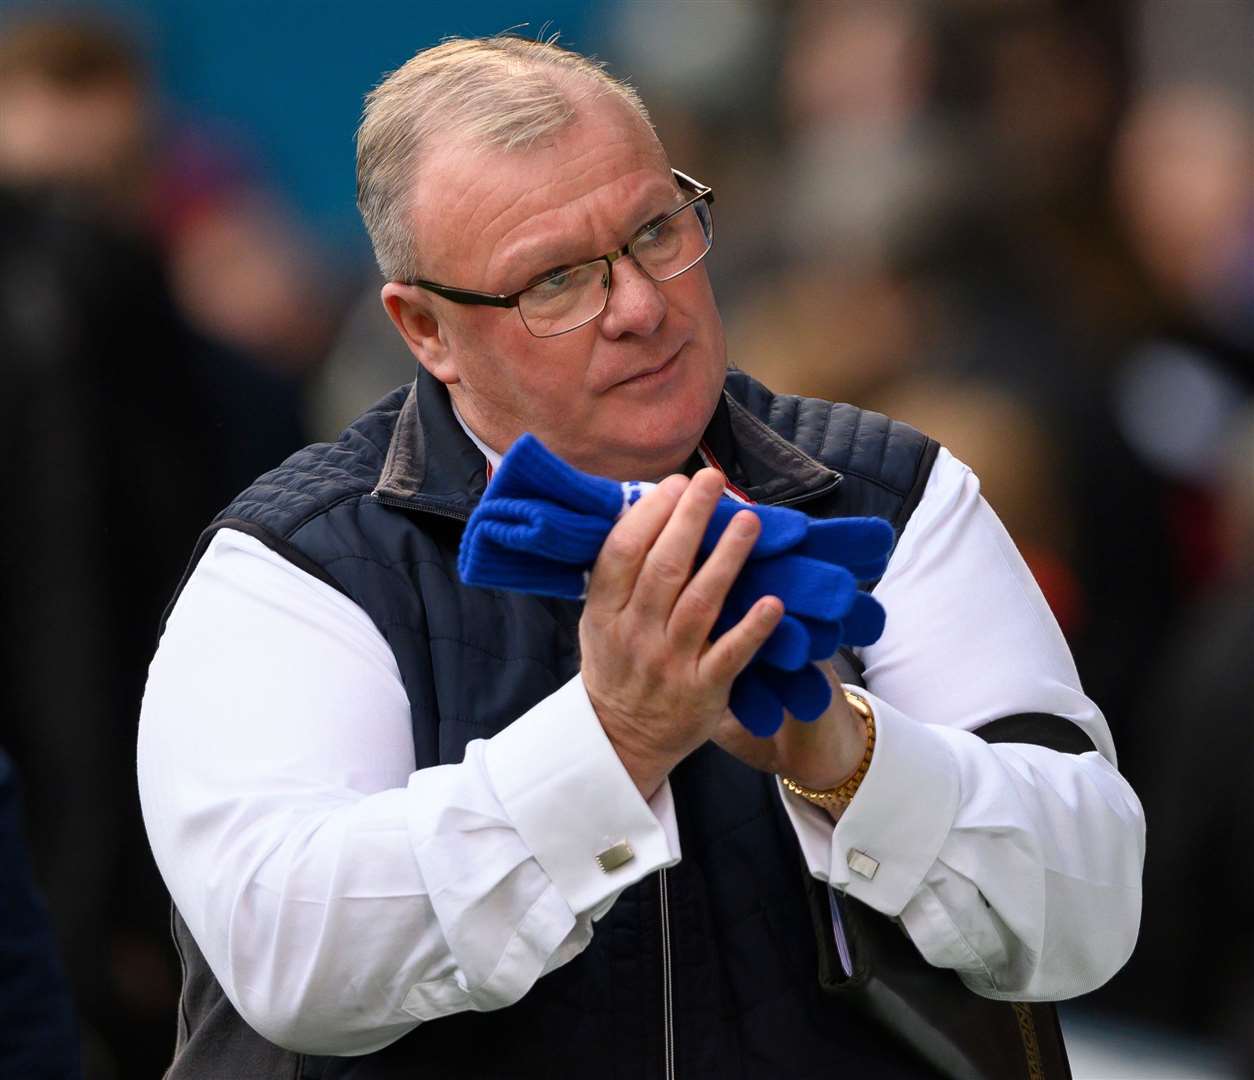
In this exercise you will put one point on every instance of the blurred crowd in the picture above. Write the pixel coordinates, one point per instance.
(1025, 227)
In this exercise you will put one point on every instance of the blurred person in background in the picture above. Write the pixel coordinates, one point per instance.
(80, 114)
(79, 119)
(114, 405)
(246, 274)
(1197, 945)
(244, 270)
(1182, 180)
(90, 348)
(76, 111)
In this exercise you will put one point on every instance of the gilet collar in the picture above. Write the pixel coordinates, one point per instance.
(432, 464)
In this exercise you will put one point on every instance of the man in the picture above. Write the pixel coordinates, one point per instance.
(418, 828)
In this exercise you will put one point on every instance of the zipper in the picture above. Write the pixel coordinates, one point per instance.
(806, 496)
(668, 1003)
(419, 503)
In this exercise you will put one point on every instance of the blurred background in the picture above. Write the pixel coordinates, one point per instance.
(1025, 226)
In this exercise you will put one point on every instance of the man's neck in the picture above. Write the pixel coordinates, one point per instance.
(688, 465)
(494, 459)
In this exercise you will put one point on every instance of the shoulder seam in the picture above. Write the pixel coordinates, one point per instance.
(914, 494)
(282, 547)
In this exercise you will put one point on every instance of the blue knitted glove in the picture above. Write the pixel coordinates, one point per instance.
(862, 624)
(825, 638)
(510, 541)
(806, 586)
(790, 644)
(538, 505)
(782, 529)
(860, 544)
(755, 704)
(805, 693)
(530, 470)
(762, 692)
(541, 525)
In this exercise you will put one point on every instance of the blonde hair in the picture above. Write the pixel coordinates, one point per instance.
(503, 92)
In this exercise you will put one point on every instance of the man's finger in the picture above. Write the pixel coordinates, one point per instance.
(668, 565)
(702, 600)
(629, 541)
(728, 656)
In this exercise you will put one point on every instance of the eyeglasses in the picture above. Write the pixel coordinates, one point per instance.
(569, 298)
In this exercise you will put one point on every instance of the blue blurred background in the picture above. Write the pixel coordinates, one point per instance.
(1026, 226)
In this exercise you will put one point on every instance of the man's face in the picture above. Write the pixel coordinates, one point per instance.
(627, 395)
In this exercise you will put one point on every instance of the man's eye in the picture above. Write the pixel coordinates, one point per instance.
(659, 236)
(553, 286)
(652, 234)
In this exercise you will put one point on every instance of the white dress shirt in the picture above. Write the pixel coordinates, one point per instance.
(341, 897)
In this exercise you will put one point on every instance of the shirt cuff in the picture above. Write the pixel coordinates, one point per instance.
(574, 804)
(891, 833)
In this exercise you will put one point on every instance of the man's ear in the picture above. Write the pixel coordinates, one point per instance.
(412, 314)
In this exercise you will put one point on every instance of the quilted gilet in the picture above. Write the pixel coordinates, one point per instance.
(379, 515)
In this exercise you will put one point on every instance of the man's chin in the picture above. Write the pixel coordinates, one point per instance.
(658, 441)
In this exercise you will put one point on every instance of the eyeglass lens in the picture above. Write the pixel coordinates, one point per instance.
(573, 297)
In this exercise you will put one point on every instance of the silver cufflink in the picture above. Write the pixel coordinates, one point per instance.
(862, 864)
(614, 856)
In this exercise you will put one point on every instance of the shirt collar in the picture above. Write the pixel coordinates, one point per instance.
(494, 459)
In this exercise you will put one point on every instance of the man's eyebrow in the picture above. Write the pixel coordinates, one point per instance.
(552, 254)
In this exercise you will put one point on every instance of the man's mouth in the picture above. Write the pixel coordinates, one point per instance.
(652, 374)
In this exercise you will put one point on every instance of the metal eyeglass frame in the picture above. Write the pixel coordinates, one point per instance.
(699, 191)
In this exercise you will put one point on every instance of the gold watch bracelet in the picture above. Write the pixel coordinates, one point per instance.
(844, 792)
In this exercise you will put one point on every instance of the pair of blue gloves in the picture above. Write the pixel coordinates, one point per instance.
(541, 524)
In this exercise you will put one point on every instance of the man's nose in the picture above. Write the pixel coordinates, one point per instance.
(636, 305)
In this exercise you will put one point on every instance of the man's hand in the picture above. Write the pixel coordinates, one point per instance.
(659, 687)
(819, 755)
